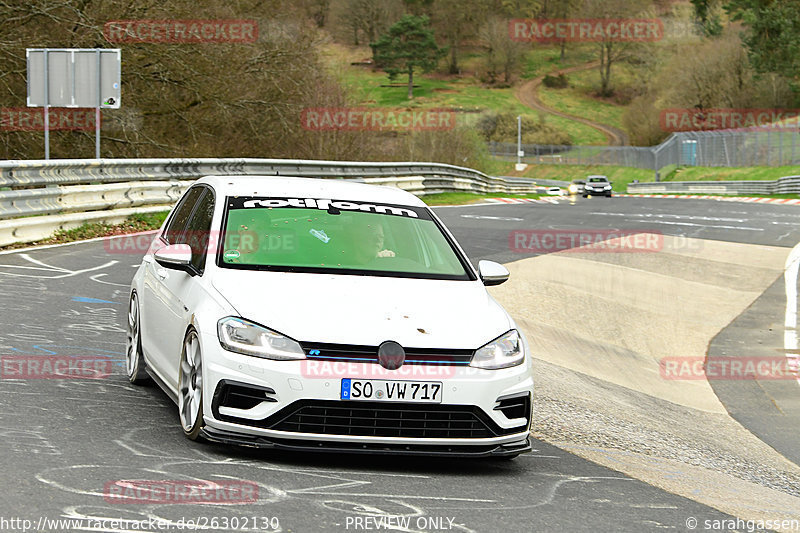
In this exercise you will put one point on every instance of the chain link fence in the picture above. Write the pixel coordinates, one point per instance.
(726, 148)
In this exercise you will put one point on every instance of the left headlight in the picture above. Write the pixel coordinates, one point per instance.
(248, 338)
(503, 352)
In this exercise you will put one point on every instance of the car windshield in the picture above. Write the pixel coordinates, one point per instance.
(308, 235)
(598, 180)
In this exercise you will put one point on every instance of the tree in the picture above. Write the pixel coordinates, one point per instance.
(368, 17)
(712, 74)
(418, 7)
(559, 9)
(456, 21)
(407, 46)
(503, 55)
(704, 12)
(317, 10)
(773, 34)
(519, 9)
(179, 100)
(611, 51)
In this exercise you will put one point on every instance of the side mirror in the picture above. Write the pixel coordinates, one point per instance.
(175, 257)
(492, 273)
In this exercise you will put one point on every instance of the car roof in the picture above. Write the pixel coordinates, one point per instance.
(287, 186)
(597, 176)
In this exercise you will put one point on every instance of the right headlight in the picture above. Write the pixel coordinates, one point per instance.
(503, 352)
(248, 338)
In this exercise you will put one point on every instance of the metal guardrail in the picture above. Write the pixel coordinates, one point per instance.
(787, 185)
(62, 194)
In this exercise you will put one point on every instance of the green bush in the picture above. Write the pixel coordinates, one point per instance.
(556, 82)
(503, 128)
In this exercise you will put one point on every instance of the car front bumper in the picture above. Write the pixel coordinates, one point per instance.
(300, 383)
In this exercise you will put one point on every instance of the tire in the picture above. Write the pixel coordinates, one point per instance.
(134, 360)
(190, 387)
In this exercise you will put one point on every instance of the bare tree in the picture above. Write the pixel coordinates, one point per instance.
(559, 9)
(369, 18)
(503, 55)
(456, 21)
(178, 99)
(610, 49)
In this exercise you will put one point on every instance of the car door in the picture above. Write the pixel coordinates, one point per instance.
(184, 290)
(163, 311)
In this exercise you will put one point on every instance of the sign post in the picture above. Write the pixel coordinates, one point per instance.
(74, 77)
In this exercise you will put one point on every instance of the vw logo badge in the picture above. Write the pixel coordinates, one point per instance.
(391, 355)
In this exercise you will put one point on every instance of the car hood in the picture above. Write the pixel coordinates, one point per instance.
(366, 310)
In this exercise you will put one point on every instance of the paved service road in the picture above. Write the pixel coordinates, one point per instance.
(64, 440)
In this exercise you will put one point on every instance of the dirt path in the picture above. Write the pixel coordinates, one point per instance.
(528, 94)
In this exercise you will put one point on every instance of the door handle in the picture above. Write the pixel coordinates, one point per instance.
(161, 273)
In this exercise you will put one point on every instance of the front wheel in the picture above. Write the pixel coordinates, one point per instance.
(134, 360)
(190, 387)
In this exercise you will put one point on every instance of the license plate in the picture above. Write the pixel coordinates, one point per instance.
(392, 391)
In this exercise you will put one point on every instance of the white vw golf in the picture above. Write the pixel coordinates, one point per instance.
(316, 314)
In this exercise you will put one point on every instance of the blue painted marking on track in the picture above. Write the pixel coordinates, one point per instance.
(85, 300)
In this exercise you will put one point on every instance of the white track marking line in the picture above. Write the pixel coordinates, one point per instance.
(482, 217)
(61, 272)
(666, 222)
(40, 263)
(465, 205)
(790, 277)
(670, 215)
(94, 278)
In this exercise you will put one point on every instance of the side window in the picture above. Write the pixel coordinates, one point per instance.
(198, 231)
(174, 231)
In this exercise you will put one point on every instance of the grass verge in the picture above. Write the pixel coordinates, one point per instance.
(734, 173)
(787, 196)
(460, 198)
(133, 224)
(619, 176)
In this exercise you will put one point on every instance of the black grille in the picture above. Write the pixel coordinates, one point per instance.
(378, 419)
(369, 354)
(240, 395)
(518, 406)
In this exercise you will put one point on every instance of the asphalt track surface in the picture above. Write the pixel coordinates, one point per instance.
(64, 440)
